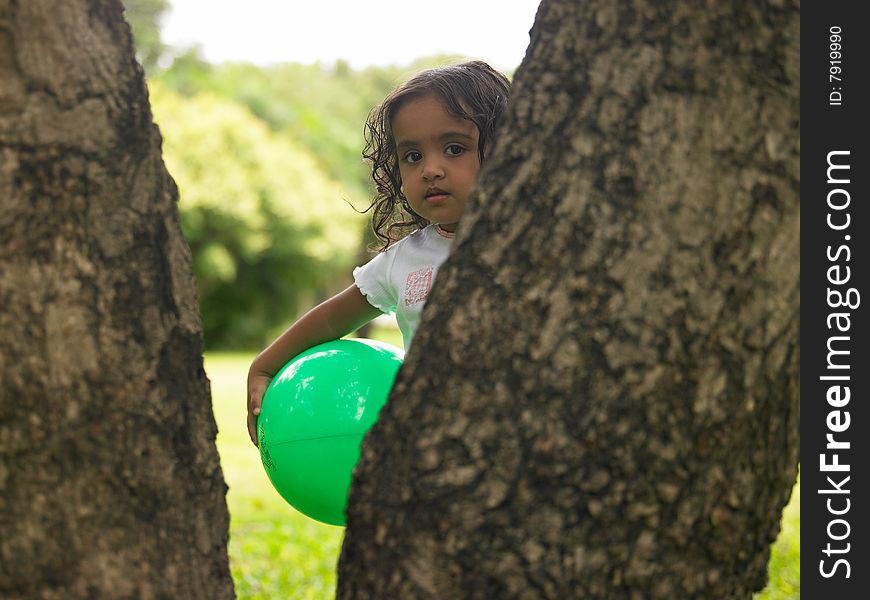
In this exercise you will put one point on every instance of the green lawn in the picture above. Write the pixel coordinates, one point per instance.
(784, 568)
(276, 552)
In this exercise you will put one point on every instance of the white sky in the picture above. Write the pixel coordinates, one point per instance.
(362, 32)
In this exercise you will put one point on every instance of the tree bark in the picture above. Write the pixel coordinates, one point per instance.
(602, 398)
(110, 485)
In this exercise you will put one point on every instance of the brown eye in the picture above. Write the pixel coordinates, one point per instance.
(454, 150)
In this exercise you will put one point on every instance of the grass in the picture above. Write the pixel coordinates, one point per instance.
(784, 568)
(276, 552)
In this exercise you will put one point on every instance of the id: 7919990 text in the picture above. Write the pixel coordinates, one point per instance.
(835, 69)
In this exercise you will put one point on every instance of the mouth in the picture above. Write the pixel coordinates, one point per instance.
(436, 195)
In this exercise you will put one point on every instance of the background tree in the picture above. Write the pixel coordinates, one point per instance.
(322, 108)
(270, 176)
(145, 17)
(602, 400)
(110, 485)
(267, 227)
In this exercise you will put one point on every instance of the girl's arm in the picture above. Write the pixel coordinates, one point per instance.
(345, 312)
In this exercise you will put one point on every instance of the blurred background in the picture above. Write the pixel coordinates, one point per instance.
(261, 105)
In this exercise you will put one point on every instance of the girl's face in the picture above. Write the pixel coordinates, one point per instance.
(438, 159)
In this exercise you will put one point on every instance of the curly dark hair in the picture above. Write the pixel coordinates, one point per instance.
(471, 90)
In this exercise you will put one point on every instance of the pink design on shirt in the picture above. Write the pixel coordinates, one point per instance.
(417, 285)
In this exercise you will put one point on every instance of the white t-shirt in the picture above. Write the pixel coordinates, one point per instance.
(398, 280)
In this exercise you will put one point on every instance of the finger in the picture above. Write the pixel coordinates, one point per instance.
(252, 429)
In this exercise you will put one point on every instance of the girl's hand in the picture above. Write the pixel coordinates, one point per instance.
(329, 320)
(257, 384)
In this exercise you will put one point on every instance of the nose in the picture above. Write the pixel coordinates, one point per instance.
(432, 169)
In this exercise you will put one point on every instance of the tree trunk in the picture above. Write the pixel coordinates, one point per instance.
(110, 485)
(602, 399)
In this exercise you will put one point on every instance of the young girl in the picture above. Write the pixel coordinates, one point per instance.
(426, 142)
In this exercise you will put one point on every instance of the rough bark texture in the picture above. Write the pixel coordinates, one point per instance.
(110, 485)
(602, 400)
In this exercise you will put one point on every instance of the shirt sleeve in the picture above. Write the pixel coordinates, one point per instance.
(373, 280)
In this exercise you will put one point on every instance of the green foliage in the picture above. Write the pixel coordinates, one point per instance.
(269, 167)
(266, 226)
(144, 17)
(189, 73)
(784, 568)
(322, 108)
(275, 552)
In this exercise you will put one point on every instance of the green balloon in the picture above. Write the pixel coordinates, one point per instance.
(314, 415)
